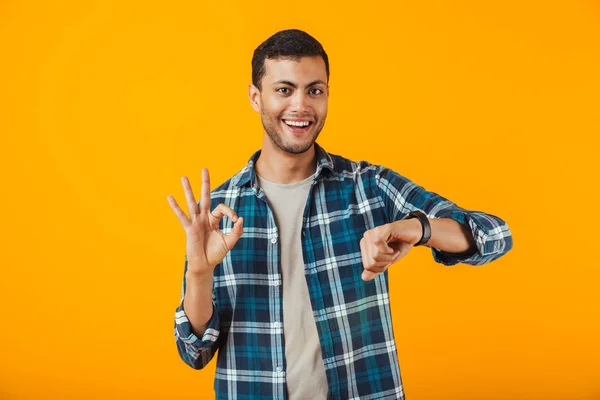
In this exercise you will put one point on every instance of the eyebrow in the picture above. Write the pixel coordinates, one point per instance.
(313, 83)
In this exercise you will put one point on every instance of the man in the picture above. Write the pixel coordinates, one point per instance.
(292, 286)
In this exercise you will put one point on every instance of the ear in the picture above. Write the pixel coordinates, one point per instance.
(254, 97)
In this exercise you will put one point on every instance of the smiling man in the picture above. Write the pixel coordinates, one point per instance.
(292, 287)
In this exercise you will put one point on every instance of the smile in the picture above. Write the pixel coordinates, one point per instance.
(297, 126)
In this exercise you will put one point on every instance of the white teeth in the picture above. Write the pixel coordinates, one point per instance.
(298, 123)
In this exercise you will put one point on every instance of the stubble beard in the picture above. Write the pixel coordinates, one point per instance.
(274, 130)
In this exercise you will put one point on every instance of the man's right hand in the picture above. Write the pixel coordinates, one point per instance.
(206, 245)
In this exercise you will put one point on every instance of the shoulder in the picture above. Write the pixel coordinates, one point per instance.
(363, 169)
(367, 173)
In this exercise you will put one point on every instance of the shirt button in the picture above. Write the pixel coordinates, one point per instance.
(279, 369)
(277, 324)
(274, 240)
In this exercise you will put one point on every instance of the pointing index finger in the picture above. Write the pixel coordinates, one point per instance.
(205, 194)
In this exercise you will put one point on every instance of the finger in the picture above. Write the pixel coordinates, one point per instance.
(382, 246)
(374, 252)
(189, 197)
(220, 211)
(367, 275)
(377, 267)
(401, 249)
(367, 251)
(178, 211)
(376, 263)
(377, 256)
(232, 237)
(363, 252)
(205, 194)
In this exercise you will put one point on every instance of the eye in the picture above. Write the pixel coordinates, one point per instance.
(283, 88)
(312, 91)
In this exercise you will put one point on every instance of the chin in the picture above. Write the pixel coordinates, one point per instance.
(289, 144)
(294, 149)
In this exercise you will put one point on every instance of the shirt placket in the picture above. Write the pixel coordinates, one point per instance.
(315, 288)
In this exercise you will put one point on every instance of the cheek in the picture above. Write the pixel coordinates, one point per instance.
(321, 106)
(274, 106)
(322, 112)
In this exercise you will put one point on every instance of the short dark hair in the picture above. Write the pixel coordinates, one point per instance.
(286, 44)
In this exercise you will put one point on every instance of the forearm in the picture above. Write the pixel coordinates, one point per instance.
(450, 236)
(197, 301)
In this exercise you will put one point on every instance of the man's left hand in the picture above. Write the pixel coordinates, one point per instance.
(382, 246)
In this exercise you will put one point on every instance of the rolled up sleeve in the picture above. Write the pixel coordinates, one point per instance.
(194, 351)
(400, 196)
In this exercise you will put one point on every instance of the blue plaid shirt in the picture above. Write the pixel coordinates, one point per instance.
(353, 317)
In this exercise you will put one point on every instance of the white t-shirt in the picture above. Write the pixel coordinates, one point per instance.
(305, 372)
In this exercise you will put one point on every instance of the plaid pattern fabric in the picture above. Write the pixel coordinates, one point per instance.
(353, 317)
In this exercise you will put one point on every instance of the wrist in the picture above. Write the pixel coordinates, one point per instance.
(415, 228)
(422, 227)
(199, 277)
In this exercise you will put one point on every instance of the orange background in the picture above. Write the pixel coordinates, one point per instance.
(104, 105)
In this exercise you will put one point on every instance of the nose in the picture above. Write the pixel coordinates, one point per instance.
(300, 102)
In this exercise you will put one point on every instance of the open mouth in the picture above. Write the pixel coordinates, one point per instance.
(297, 126)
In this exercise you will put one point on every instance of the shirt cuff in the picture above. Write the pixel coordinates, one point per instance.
(446, 258)
(477, 257)
(183, 329)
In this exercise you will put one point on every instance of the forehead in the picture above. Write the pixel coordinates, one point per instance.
(305, 69)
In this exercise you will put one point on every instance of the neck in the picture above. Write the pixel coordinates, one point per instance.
(279, 166)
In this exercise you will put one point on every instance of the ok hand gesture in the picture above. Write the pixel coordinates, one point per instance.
(206, 245)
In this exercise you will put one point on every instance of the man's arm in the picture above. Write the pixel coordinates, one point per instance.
(197, 301)
(458, 235)
(206, 246)
(446, 235)
(196, 321)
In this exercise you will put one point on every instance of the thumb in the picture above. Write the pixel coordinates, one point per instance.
(401, 249)
(384, 247)
(232, 237)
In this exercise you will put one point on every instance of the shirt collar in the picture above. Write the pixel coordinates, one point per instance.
(247, 175)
